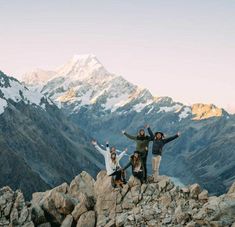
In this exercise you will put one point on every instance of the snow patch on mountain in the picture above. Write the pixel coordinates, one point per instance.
(185, 113)
(3, 105)
(38, 77)
(140, 106)
(12, 90)
(115, 102)
(173, 108)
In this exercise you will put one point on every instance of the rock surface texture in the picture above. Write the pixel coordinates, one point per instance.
(88, 203)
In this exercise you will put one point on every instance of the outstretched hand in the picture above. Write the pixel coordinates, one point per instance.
(178, 134)
(123, 131)
(126, 150)
(146, 126)
(94, 142)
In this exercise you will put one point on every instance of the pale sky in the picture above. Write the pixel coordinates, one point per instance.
(182, 49)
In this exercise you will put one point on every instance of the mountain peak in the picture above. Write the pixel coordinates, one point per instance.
(81, 65)
(38, 77)
(203, 111)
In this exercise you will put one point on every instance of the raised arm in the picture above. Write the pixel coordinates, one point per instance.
(171, 138)
(107, 147)
(120, 156)
(129, 136)
(150, 133)
(127, 166)
(98, 148)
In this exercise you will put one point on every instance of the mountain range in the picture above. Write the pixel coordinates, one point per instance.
(102, 104)
(39, 147)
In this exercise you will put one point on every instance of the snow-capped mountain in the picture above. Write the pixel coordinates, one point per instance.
(83, 81)
(38, 142)
(38, 76)
(103, 104)
(11, 90)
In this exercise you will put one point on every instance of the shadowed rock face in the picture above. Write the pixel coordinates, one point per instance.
(39, 146)
(86, 202)
(41, 149)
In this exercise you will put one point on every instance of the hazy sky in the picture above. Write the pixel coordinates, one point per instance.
(183, 49)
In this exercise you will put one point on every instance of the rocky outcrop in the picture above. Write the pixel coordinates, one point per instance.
(88, 203)
(13, 209)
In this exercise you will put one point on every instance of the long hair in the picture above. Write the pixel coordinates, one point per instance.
(136, 161)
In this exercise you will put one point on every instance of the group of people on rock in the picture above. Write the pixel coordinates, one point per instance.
(138, 160)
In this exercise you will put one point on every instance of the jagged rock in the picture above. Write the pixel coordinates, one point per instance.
(87, 219)
(153, 204)
(63, 203)
(57, 204)
(67, 221)
(47, 224)
(191, 224)
(167, 220)
(195, 190)
(121, 219)
(217, 209)
(203, 196)
(133, 181)
(38, 215)
(111, 223)
(232, 189)
(149, 190)
(102, 184)
(82, 183)
(38, 197)
(164, 181)
(28, 224)
(106, 197)
(185, 191)
(79, 210)
(13, 209)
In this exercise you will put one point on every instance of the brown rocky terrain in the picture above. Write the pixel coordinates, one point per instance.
(88, 203)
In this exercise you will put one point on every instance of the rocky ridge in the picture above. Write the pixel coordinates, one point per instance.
(87, 203)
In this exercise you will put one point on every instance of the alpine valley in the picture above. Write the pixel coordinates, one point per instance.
(102, 104)
(39, 147)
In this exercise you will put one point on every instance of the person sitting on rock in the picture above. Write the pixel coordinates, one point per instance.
(158, 143)
(142, 143)
(136, 165)
(112, 165)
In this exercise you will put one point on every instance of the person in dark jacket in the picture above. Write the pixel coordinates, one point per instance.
(159, 142)
(142, 144)
(136, 165)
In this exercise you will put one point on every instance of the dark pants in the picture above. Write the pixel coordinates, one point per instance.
(144, 163)
(117, 175)
(139, 175)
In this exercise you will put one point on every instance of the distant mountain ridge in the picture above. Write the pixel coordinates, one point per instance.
(83, 81)
(103, 104)
(39, 146)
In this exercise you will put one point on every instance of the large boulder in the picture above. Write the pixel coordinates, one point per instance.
(83, 183)
(220, 209)
(57, 205)
(68, 221)
(106, 197)
(195, 190)
(87, 219)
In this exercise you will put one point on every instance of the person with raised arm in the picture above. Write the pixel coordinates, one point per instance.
(159, 141)
(112, 164)
(142, 143)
